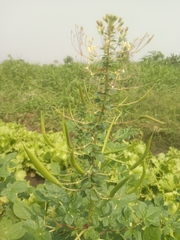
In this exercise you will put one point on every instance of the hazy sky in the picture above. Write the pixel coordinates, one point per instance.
(39, 31)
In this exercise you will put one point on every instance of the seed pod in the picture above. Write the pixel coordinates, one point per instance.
(44, 133)
(41, 168)
(74, 163)
(133, 189)
(66, 134)
(144, 155)
(118, 186)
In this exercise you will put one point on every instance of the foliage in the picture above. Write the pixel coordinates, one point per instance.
(11, 138)
(157, 56)
(154, 56)
(114, 189)
(68, 60)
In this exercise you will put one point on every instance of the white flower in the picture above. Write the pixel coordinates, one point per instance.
(126, 45)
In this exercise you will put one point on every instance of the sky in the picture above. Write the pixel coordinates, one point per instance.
(39, 31)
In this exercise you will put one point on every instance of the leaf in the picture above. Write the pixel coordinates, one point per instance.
(95, 220)
(69, 219)
(40, 195)
(93, 195)
(137, 234)
(140, 209)
(127, 212)
(22, 210)
(16, 231)
(12, 190)
(152, 233)
(153, 216)
(90, 233)
(176, 227)
(105, 221)
(37, 229)
(10, 231)
(4, 164)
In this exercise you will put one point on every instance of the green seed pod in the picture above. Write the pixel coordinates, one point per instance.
(118, 186)
(133, 189)
(74, 163)
(66, 134)
(44, 132)
(41, 168)
(144, 155)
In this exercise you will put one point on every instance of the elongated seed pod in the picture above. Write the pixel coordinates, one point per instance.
(41, 168)
(74, 163)
(144, 155)
(81, 94)
(133, 189)
(151, 118)
(44, 132)
(66, 133)
(107, 135)
(118, 186)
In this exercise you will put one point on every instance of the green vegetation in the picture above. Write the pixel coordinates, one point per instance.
(101, 180)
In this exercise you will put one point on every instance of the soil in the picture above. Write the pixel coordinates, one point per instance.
(33, 178)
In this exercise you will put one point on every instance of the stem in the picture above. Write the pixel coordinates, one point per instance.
(106, 52)
(90, 211)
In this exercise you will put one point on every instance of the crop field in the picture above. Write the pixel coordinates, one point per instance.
(91, 151)
(28, 89)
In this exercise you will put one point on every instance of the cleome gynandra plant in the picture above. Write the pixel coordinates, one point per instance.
(99, 195)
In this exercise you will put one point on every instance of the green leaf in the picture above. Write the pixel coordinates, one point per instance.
(12, 190)
(140, 209)
(93, 195)
(16, 231)
(9, 231)
(127, 212)
(4, 164)
(95, 220)
(22, 210)
(158, 200)
(128, 234)
(40, 195)
(137, 234)
(105, 221)
(152, 233)
(90, 233)
(37, 229)
(176, 226)
(153, 216)
(69, 219)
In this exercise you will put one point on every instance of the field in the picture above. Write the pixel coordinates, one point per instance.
(27, 89)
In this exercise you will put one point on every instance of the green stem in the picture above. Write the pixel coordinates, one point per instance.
(90, 211)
